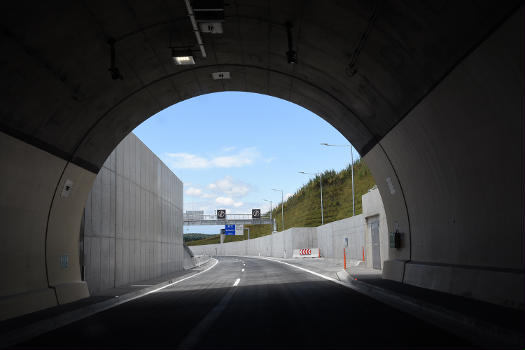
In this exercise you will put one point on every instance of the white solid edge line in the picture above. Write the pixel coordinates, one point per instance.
(142, 285)
(309, 271)
(236, 282)
(171, 284)
(181, 280)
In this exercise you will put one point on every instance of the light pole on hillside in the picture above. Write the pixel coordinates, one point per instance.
(282, 205)
(352, 168)
(271, 209)
(321, 186)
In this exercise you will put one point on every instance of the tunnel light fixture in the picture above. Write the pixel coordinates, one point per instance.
(182, 58)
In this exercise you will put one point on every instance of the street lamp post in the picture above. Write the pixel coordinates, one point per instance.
(282, 205)
(271, 209)
(321, 187)
(352, 170)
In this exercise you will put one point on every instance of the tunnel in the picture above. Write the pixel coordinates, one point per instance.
(430, 93)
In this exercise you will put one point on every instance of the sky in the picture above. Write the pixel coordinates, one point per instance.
(230, 149)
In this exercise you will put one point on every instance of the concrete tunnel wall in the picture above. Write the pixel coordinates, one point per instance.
(41, 225)
(430, 167)
(133, 219)
(451, 178)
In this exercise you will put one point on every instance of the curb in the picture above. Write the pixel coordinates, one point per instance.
(198, 265)
(202, 263)
(46, 325)
(479, 332)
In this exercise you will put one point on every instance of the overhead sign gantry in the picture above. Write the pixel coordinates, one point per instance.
(195, 218)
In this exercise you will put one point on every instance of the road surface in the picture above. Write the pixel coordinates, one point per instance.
(250, 303)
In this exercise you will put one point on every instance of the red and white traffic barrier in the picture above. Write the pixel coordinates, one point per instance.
(307, 253)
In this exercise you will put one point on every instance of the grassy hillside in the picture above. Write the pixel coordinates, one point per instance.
(211, 239)
(189, 237)
(303, 209)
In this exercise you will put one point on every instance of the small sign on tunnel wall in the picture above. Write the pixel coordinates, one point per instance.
(64, 261)
(66, 190)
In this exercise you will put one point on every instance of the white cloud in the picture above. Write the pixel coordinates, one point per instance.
(225, 193)
(193, 191)
(185, 161)
(228, 201)
(286, 196)
(197, 192)
(242, 158)
(230, 187)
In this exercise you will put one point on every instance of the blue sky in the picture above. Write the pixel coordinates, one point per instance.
(231, 148)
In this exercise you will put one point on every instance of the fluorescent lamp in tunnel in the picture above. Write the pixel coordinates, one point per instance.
(182, 58)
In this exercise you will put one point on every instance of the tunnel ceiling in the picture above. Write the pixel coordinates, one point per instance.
(58, 94)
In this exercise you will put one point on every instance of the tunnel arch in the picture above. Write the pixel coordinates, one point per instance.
(418, 116)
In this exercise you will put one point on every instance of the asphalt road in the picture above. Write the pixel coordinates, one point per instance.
(250, 303)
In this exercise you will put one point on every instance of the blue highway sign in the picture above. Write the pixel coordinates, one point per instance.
(229, 230)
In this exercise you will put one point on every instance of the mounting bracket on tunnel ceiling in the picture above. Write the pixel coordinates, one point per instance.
(207, 12)
(115, 72)
(291, 54)
(351, 69)
(210, 15)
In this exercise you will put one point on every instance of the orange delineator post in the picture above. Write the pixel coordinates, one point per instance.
(363, 253)
(344, 257)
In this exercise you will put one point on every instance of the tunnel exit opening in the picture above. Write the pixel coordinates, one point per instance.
(425, 121)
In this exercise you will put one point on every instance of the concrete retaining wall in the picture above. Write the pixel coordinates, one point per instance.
(132, 227)
(279, 244)
(329, 238)
(332, 238)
